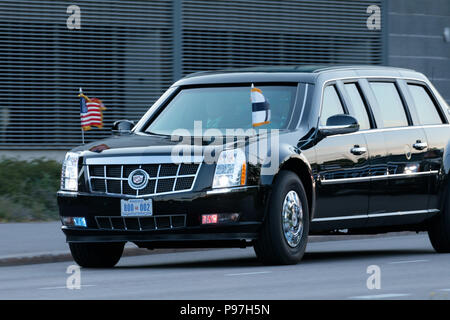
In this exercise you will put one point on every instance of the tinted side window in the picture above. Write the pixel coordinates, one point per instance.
(426, 108)
(390, 104)
(331, 104)
(358, 106)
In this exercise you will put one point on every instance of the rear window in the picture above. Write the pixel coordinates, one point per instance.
(425, 106)
(222, 108)
(390, 103)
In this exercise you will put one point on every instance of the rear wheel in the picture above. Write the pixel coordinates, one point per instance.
(439, 231)
(285, 230)
(96, 255)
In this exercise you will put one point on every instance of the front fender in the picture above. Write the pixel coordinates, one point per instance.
(286, 154)
(293, 159)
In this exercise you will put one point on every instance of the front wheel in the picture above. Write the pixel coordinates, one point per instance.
(285, 230)
(96, 255)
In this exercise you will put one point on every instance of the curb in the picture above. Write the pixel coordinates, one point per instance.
(63, 256)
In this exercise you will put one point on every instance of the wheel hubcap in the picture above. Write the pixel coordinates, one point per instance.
(292, 214)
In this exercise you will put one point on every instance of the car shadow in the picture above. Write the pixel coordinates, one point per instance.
(362, 254)
(217, 263)
(309, 258)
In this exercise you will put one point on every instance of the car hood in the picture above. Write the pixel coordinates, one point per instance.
(144, 145)
(160, 145)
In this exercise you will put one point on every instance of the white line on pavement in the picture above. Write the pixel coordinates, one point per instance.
(408, 261)
(382, 296)
(246, 273)
(53, 288)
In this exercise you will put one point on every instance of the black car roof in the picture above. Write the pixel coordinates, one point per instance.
(295, 69)
(306, 73)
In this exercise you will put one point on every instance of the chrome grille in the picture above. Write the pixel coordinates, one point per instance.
(163, 178)
(141, 223)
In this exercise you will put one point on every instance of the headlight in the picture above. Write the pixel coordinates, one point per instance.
(230, 169)
(69, 174)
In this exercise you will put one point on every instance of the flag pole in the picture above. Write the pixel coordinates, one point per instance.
(82, 131)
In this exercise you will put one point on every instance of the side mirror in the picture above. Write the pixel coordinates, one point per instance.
(122, 127)
(339, 124)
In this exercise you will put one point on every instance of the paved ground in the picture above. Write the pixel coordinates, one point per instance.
(25, 243)
(42, 242)
(331, 270)
(31, 238)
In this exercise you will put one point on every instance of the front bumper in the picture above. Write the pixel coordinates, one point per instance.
(249, 202)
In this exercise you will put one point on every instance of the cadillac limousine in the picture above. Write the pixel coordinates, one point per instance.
(340, 150)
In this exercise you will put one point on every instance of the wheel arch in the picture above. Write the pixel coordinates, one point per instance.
(298, 164)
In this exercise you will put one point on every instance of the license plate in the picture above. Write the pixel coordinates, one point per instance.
(136, 207)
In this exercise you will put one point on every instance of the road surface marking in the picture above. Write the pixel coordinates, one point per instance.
(382, 296)
(52, 288)
(247, 273)
(408, 261)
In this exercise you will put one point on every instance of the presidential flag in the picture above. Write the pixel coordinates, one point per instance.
(91, 112)
(260, 107)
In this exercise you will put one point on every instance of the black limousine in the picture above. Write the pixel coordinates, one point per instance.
(336, 150)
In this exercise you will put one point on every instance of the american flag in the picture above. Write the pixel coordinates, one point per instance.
(91, 112)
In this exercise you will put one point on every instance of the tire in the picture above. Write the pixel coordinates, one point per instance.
(96, 255)
(272, 247)
(439, 230)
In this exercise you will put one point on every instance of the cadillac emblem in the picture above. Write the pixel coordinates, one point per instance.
(138, 179)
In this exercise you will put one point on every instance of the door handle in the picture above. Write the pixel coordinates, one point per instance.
(419, 145)
(357, 150)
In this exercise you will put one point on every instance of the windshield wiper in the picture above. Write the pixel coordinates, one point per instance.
(156, 134)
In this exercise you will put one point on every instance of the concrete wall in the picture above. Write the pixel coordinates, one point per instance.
(416, 39)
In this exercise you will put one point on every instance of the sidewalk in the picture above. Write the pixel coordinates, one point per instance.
(31, 238)
(44, 242)
(39, 242)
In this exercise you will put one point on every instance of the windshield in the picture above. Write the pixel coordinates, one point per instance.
(222, 108)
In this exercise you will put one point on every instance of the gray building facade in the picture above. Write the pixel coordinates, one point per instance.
(128, 52)
(419, 38)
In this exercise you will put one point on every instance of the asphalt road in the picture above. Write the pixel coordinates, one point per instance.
(330, 270)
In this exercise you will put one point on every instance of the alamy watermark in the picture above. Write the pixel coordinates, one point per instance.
(374, 280)
(74, 20)
(262, 145)
(374, 20)
(74, 279)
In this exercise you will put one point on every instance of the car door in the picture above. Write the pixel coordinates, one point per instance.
(432, 118)
(403, 188)
(342, 164)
